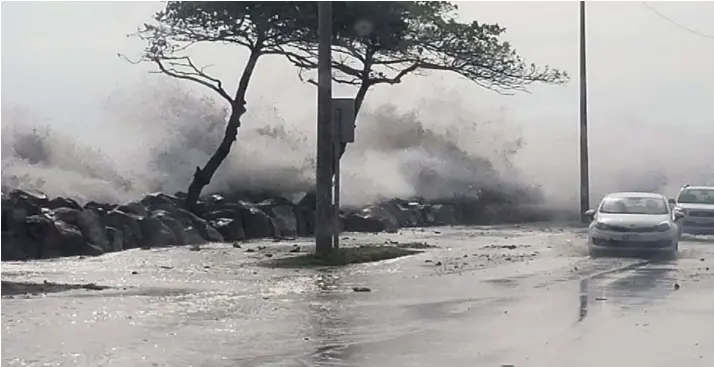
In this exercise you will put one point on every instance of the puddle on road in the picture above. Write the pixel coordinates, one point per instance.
(637, 285)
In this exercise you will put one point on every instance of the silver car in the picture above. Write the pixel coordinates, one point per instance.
(697, 202)
(640, 221)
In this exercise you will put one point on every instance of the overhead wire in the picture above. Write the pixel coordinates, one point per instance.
(670, 20)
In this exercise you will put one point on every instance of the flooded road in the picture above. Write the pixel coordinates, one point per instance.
(487, 296)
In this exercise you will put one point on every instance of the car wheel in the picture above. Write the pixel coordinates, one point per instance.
(672, 255)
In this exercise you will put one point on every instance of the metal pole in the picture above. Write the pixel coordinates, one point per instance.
(323, 204)
(584, 160)
(336, 147)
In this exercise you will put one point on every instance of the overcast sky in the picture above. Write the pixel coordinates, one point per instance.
(60, 59)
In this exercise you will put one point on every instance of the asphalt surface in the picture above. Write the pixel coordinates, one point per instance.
(491, 296)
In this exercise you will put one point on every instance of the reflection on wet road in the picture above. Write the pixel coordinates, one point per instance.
(485, 297)
(637, 285)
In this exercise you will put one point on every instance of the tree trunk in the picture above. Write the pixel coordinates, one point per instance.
(361, 93)
(202, 177)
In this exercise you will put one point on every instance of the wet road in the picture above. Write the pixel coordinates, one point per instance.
(491, 296)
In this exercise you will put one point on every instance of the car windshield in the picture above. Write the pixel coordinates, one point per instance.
(696, 196)
(634, 205)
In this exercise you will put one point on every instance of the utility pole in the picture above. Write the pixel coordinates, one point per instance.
(584, 160)
(325, 160)
(336, 146)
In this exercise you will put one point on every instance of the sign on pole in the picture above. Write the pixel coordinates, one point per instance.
(343, 118)
(343, 114)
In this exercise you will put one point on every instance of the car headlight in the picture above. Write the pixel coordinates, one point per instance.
(662, 227)
(601, 225)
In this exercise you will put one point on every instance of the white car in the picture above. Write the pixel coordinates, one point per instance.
(697, 202)
(627, 221)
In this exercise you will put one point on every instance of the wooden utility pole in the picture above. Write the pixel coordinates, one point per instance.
(584, 159)
(325, 160)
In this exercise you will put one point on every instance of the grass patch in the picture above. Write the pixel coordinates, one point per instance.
(342, 256)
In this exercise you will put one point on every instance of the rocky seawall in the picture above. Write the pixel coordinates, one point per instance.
(35, 226)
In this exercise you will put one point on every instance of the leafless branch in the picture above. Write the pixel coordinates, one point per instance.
(398, 78)
(172, 66)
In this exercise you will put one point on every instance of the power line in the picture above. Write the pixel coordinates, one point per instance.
(690, 30)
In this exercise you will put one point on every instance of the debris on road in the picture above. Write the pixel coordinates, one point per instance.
(361, 289)
(505, 247)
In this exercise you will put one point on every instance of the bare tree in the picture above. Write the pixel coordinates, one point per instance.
(382, 44)
(262, 28)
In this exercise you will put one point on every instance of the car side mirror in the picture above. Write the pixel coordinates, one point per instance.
(590, 214)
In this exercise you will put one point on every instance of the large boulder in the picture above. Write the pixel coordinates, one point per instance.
(72, 242)
(35, 198)
(116, 238)
(60, 202)
(101, 208)
(88, 222)
(6, 210)
(155, 233)
(213, 203)
(229, 222)
(231, 229)
(282, 213)
(41, 239)
(128, 225)
(14, 250)
(172, 224)
(371, 219)
(197, 230)
(305, 215)
(443, 214)
(44, 237)
(406, 213)
(274, 216)
(161, 201)
(134, 207)
(256, 223)
(18, 205)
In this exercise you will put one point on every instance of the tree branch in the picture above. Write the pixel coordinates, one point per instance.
(196, 74)
(398, 78)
